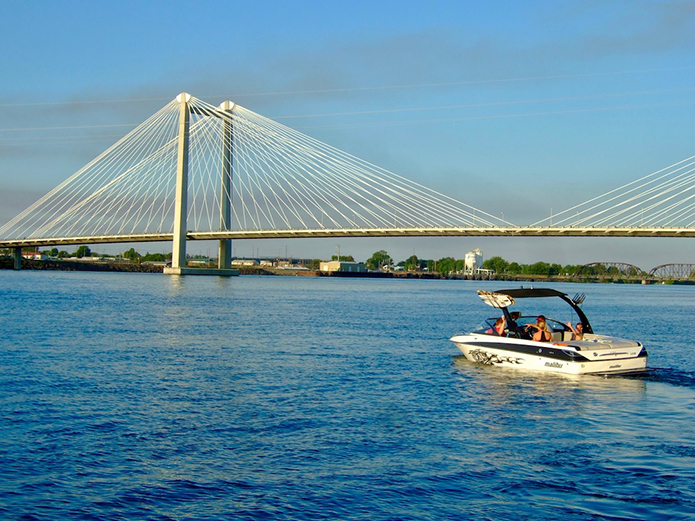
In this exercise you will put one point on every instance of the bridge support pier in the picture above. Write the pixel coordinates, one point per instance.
(18, 258)
(224, 254)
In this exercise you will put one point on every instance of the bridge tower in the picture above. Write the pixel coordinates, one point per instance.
(225, 248)
(178, 258)
(181, 204)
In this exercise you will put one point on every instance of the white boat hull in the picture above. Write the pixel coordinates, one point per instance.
(597, 354)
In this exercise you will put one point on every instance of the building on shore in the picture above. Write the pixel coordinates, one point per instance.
(244, 262)
(35, 255)
(342, 266)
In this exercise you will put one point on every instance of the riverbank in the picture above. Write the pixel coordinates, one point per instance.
(7, 263)
(65, 265)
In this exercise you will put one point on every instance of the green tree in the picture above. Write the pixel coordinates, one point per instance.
(537, 268)
(412, 263)
(446, 265)
(377, 260)
(598, 269)
(555, 269)
(53, 252)
(62, 254)
(343, 258)
(153, 257)
(131, 254)
(83, 251)
(497, 264)
(571, 269)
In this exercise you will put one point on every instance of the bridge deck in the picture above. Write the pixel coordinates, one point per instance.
(362, 232)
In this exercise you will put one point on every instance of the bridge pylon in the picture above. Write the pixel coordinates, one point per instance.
(178, 258)
(181, 202)
(225, 245)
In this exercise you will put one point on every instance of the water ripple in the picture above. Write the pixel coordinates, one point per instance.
(142, 397)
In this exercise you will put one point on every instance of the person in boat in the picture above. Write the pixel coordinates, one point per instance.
(541, 334)
(500, 324)
(577, 331)
(515, 315)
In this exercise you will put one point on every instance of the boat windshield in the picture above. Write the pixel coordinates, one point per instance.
(487, 327)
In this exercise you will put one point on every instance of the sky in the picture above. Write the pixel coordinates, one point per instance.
(520, 109)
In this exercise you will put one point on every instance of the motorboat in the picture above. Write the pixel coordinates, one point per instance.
(508, 338)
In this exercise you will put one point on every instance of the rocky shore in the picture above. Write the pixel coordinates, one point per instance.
(7, 263)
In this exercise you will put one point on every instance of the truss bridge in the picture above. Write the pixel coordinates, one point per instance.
(673, 272)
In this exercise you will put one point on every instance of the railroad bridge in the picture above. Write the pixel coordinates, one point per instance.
(623, 270)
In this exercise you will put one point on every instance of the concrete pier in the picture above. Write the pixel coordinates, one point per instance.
(201, 271)
(18, 258)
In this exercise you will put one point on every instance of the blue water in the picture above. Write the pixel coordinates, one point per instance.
(134, 396)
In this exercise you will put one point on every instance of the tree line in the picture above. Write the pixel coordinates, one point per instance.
(380, 260)
(449, 265)
(84, 251)
(501, 266)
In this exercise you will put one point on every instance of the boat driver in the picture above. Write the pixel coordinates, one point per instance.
(542, 333)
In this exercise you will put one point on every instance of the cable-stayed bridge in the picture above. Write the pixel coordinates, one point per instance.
(193, 171)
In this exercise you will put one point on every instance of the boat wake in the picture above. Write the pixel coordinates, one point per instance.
(665, 375)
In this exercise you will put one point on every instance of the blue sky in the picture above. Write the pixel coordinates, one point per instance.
(512, 107)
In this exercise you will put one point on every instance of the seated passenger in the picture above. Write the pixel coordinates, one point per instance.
(577, 331)
(501, 326)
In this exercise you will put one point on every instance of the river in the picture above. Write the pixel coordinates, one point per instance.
(141, 396)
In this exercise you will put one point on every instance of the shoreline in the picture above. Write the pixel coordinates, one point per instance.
(6, 263)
